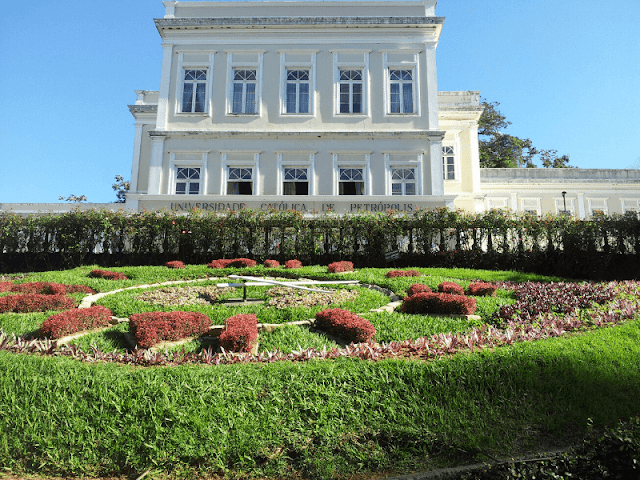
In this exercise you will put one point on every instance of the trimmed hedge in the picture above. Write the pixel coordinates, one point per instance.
(442, 303)
(35, 302)
(345, 325)
(402, 273)
(46, 288)
(108, 275)
(293, 264)
(232, 263)
(240, 333)
(175, 264)
(339, 267)
(451, 287)
(150, 328)
(269, 263)
(73, 321)
(418, 288)
(482, 289)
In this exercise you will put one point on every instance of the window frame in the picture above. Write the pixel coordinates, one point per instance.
(253, 163)
(593, 209)
(285, 67)
(364, 163)
(532, 201)
(454, 156)
(571, 205)
(181, 68)
(413, 66)
(308, 164)
(201, 163)
(338, 67)
(414, 162)
(232, 67)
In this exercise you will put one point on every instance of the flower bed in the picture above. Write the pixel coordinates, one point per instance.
(418, 288)
(451, 287)
(240, 333)
(175, 264)
(150, 328)
(35, 302)
(481, 289)
(293, 264)
(271, 263)
(232, 263)
(345, 325)
(47, 288)
(108, 275)
(402, 273)
(73, 321)
(444, 303)
(340, 267)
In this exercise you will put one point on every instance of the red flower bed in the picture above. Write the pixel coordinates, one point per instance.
(108, 275)
(47, 288)
(72, 321)
(240, 333)
(175, 264)
(35, 302)
(444, 303)
(339, 267)
(402, 273)
(293, 264)
(345, 325)
(481, 289)
(271, 263)
(451, 287)
(232, 263)
(150, 328)
(5, 286)
(418, 288)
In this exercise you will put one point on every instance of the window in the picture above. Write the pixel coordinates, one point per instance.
(240, 181)
(296, 181)
(403, 181)
(530, 206)
(401, 91)
(350, 91)
(598, 206)
(351, 181)
(448, 164)
(187, 181)
(297, 91)
(194, 90)
(244, 92)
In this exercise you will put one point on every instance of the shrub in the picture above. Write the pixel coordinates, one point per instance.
(47, 288)
(271, 263)
(451, 287)
(5, 286)
(481, 289)
(73, 321)
(339, 267)
(232, 263)
(35, 302)
(418, 288)
(345, 325)
(293, 264)
(444, 303)
(240, 333)
(402, 273)
(175, 264)
(108, 275)
(150, 328)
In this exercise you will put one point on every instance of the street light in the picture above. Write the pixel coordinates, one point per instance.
(564, 199)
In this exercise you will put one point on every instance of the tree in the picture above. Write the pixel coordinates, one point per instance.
(121, 187)
(501, 150)
(73, 198)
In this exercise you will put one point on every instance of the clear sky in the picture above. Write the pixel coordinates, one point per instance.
(566, 74)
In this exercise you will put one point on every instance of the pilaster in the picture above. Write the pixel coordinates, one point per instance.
(155, 167)
(165, 84)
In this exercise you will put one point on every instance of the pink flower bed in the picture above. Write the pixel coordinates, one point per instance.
(240, 333)
(418, 288)
(108, 275)
(271, 263)
(346, 325)
(293, 264)
(451, 287)
(150, 328)
(339, 267)
(35, 302)
(443, 303)
(175, 264)
(232, 263)
(73, 321)
(481, 289)
(402, 273)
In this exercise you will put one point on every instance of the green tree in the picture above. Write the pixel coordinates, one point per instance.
(501, 150)
(121, 187)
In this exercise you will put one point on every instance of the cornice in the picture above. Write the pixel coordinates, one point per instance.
(261, 22)
(359, 135)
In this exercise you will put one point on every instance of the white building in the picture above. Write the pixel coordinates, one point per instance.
(312, 106)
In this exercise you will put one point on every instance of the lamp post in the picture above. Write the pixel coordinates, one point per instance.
(564, 200)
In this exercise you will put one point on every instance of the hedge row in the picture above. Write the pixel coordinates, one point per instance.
(441, 237)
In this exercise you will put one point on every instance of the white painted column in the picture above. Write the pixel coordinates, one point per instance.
(135, 164)
(514, 202)
(475, 158)
(155, 167)
(165, 84)
(581, 209)
(435, 183)
(430, 88)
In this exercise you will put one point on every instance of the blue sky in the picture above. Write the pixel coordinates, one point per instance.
(566, 74)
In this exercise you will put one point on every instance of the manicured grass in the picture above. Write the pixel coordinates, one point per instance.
(316, 419)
